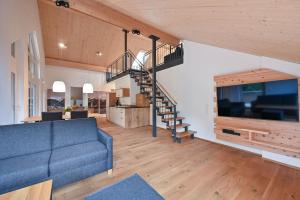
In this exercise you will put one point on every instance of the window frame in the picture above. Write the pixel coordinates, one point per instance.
(34, 78)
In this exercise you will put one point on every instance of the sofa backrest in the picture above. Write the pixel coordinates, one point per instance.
(22, 139)
(71, 132)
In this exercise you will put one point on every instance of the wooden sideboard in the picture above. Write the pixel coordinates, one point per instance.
(275, 136)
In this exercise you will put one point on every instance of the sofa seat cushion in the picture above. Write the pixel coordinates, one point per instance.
(71, 157)
(24, 170)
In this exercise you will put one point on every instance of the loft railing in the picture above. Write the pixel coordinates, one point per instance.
(165, 53)
(119, 65)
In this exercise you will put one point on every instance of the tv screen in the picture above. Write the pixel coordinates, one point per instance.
(274, 100)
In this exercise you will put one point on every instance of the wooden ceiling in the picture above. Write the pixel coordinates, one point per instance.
(84, 36)
(261, 27)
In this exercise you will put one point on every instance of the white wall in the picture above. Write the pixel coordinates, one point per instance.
(17, 19)
(192, 86)
(125, 82)
(75, 78)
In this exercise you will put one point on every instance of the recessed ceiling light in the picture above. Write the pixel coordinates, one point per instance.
(62, 45)
(98, 53)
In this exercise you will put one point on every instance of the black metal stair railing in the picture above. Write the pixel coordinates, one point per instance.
(120, 65)
(165, 54)
(128, 63)
(169, 101)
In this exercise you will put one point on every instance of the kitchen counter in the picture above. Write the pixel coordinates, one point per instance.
(129, 116)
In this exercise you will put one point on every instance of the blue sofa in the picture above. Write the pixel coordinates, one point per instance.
(64, 151)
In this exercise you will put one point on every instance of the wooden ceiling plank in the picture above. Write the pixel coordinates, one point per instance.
(83, 66)
(114, 17)
(84, 36)
(265, 28)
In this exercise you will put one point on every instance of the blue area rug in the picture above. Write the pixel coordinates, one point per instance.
(131, 188)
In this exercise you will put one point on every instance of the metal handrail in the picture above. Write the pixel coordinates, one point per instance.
(159, 46)
(117, 59)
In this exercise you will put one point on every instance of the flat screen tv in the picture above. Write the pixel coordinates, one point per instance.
(274, 100)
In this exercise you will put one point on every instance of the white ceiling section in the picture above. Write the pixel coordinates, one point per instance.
(262, 27)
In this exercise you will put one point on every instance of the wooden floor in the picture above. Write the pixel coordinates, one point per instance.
(195, 169)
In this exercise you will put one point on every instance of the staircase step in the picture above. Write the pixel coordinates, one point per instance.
(149, 93)
(166, 113)
(146, 85)
(139, 76)
(178, 126)
(149, 84)
(158, 97)
(143, 77)
(172, 119)
(144, 81)
(165, 101)
(180, 135)
(165, 107)
(138, 72)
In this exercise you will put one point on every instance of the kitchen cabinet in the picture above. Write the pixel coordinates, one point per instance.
(129, 117)
(117, 116)
(111, 99)
(123, 92)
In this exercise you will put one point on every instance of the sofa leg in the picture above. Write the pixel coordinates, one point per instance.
(109, 172)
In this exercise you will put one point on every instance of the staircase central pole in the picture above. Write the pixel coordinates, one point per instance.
(154, 110)
(126, 48)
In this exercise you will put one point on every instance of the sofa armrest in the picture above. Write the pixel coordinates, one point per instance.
(107, 140)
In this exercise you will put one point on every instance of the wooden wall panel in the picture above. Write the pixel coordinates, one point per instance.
(253, 76)
(276, 136)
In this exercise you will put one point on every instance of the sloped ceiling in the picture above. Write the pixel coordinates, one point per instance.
(84, 36)
(261, 27)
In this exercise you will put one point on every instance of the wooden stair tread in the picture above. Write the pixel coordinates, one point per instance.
(148, 92)
(166, 107)
(166, 113)
(185, 134)
(145, 78)
(158, 97)
(172, 119)
(180, 126)
(147, 84)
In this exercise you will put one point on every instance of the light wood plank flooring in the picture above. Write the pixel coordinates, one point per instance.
(195, 169)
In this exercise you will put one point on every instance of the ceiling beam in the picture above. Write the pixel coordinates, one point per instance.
(100, 11)
(76, 65)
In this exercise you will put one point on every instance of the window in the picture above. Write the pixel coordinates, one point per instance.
(33, 57)
(33, 75)
(32, 99)
(140, 58)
